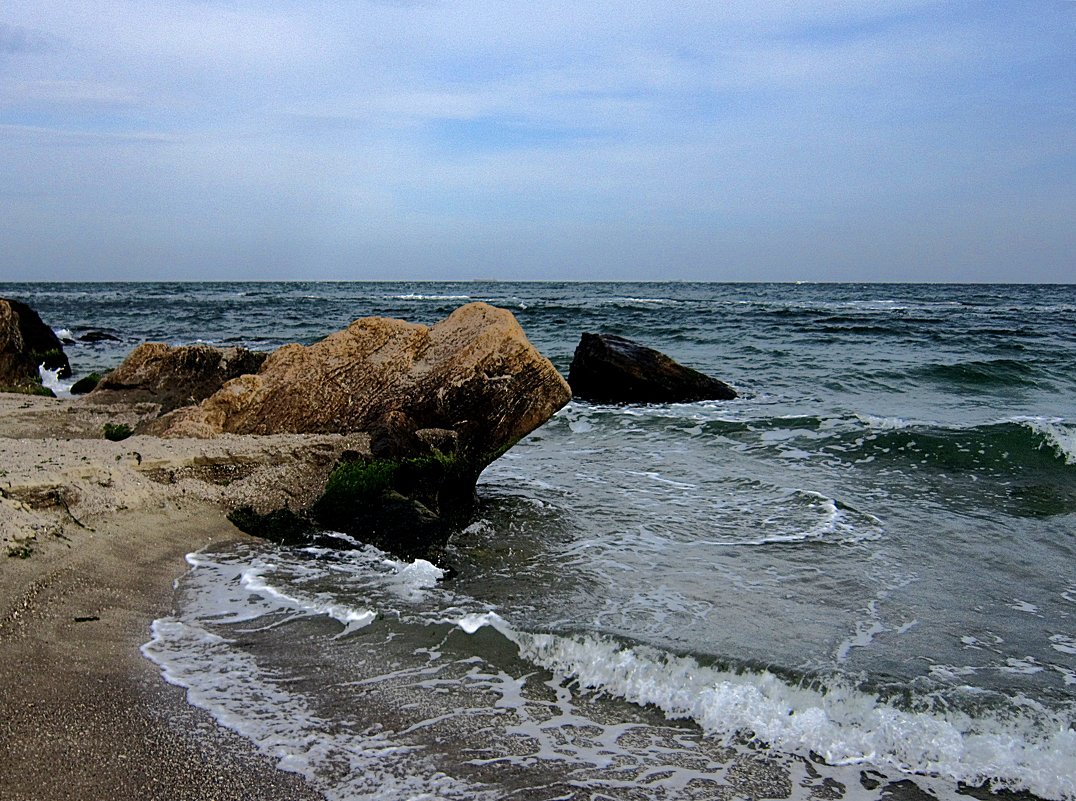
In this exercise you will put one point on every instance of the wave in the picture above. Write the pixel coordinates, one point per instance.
(835, 523)
(409, 658)
(1015, 445)
(418, 296)
(983, 373)
(352, 618)
(1055, 435)
(1026, 747)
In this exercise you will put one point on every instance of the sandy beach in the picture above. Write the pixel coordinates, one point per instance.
(92, 536)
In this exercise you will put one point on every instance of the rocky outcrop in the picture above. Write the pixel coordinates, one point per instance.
(439, 403)
(173, 376)
(474, 374)
(25, 344)
(611, 369)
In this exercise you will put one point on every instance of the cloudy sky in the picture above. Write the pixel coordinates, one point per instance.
(537, 139)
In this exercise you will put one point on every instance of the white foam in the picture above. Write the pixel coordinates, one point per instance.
(1058, 435)
(1063, 643)
(417, 296)
(253, 581)
(887, 423)
(1034, 749)
(50, 379)
(412, 580)
(650, 301)
(346, 764)
(1021, 605)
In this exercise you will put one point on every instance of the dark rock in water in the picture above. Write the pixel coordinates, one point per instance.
(439, 403)
(611, 369)
(174, 376)
(281, 526)
(98, 336)
(86, 384)
(26, 343)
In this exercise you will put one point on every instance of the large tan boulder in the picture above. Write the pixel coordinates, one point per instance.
(26, 342)
(474, 374)
(173, 376)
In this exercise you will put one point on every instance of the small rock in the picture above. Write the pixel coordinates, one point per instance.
(612, 369)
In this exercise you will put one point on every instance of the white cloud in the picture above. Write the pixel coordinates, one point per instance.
(350, 125)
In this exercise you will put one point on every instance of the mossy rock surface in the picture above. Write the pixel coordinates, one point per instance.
(85, 384)
(398, 506)
(115, 432)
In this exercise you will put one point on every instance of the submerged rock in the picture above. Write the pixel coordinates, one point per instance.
(98, 336)
(612, 369)
(173, 376)
(440, 403)
(26, 343)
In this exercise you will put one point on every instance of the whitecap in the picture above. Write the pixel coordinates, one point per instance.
(418, 296)
(1031, 749)
(1057, 434)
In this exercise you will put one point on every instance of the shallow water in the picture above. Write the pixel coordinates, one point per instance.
(867, 558)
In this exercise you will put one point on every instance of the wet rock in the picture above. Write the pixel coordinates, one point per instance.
(440, 403)
(612, 369)
(174, 376)
(91, 337)
(25, 344)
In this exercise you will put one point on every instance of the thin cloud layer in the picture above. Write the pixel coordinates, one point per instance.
(731, 141)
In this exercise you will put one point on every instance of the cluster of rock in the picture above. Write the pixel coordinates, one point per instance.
(439, 403)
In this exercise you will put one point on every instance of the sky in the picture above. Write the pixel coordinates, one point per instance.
(538, 140)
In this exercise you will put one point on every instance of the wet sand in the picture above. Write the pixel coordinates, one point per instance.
(85, 715)
(92, 536)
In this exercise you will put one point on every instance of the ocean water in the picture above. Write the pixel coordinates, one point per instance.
(856, 581)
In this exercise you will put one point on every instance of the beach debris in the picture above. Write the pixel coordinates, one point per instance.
(611, 369)
(26, 345)
(173, 376)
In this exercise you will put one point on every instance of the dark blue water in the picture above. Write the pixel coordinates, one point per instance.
(869, 557)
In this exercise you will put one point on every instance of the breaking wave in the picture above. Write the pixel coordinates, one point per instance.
(1029, 748)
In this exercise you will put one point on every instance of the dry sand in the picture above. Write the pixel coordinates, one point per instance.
(92, 537)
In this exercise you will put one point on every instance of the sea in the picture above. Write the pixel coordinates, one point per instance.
(857, 580)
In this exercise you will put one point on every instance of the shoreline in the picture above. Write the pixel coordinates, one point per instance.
(94, 535)
(86, 715)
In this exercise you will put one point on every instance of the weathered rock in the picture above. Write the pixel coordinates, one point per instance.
(25, 344)
(174, 376)
(474, 373)
(440, 403)
(612, 369)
